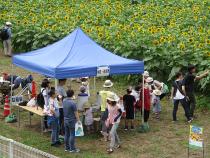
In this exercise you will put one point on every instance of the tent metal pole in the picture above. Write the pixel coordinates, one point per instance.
(56, 83)
(11, 90)
(143, 99)
(94, 84)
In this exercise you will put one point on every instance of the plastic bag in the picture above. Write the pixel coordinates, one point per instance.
(32, 102)
(11, 118)
(79, 129)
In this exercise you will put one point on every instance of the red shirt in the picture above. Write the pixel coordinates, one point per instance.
(147, 101)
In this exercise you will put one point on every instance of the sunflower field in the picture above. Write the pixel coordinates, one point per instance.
(167, 34)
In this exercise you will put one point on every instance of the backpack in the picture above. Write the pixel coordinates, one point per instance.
(4, 34)
(165, 89)
(40, 99)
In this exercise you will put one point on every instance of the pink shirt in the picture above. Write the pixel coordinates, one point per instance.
(113, 113)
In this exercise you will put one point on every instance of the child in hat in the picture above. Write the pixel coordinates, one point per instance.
(113, 120)
(88, 117)
(156, 103)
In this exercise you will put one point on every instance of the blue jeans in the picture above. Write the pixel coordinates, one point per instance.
(69, 135)
(55, 131)
(115, 140)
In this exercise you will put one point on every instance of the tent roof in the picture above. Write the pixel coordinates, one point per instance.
(76, 55)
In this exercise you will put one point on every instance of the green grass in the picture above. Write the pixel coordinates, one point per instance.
(165, 140)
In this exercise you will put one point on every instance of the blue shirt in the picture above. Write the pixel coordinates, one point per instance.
(69, 109)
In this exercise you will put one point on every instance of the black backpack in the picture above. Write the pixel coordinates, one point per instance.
(4, 34)
(40, 99)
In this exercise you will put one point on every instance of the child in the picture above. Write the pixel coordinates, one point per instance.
(53, 118)
(156, 103)
(113, 120)
(88, 117)
(129, 103)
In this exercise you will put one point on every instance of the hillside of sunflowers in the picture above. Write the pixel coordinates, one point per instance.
(167, 34)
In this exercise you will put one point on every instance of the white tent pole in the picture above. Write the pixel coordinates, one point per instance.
(143, 99)
(56, 83)
(11, 90)
(94, 84)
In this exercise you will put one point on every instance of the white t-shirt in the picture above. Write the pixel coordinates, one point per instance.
(178, 95)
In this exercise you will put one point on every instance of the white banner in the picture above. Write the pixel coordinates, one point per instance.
(103, 71)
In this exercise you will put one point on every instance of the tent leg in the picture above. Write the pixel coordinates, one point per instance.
(11, 90)
(142, 100)
(94, 85)
(56, 83)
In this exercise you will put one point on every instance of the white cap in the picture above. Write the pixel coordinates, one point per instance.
(8, 23)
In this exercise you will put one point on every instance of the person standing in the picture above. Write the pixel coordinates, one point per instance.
(53, 117)
(113, 120)
(45, 89)
(189, 86)
(129, 103)
(61, 95)
(178, 96)
(71, 116)
(104, 111)
(6, 36)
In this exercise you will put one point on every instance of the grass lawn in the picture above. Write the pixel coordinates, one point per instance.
(165, 140)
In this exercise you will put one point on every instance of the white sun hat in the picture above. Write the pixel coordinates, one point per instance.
(157, 92)
(112, 97)
(8, 23)
(146, 73)
(149, 79)
(108, 84)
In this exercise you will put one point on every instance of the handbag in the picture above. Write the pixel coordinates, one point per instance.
(32, 102)
(79, 129)
(186, 98)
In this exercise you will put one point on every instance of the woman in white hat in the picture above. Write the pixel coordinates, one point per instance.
(113, 120)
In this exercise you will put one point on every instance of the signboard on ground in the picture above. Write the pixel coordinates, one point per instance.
(196, 134)
(103, 71)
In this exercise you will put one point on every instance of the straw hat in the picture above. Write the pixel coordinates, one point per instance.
(108, 84)
(146, 73)
(112, 97)
(85, 83)
(149, 79)
(86, 105)
(157, 92)
(8, 23)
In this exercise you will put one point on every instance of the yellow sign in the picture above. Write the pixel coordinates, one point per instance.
(196, 134)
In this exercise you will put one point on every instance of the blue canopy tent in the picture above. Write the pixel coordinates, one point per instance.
(76, 55)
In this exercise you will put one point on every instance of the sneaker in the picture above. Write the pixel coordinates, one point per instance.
(54, 144)
(118, 146)
(126, 128)
(75, 151)
(110, 151)
(67, 150)
(189, 121)
(45, 130)
(58, 143)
